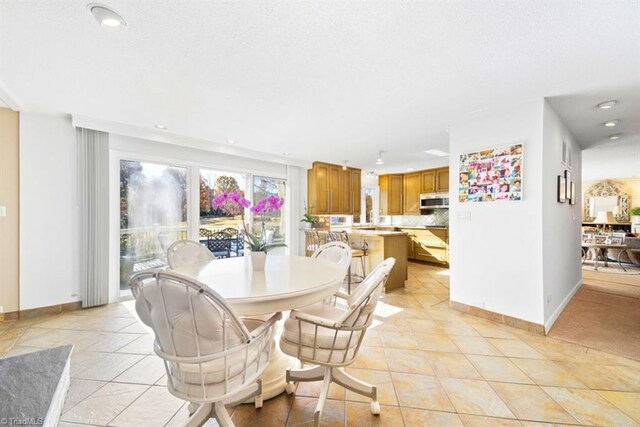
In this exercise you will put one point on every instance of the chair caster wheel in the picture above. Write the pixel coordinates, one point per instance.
(375, 408)
(258, 402)
(290, 388)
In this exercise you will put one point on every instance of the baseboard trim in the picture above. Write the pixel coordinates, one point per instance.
(558, 311)
(498, 317)
(40, 311)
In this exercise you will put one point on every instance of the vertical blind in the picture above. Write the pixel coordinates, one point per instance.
(93, 188)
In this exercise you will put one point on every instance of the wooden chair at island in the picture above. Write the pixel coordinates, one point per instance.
(361, 253)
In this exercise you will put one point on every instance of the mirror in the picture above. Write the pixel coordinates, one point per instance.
(606, 196)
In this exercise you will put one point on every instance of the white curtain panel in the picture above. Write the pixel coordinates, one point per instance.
(297, 180)
(93, 186)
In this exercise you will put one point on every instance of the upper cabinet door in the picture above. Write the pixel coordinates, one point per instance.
(442, 180)
(334, 189)
(356, 193)
(318, 189)
(412, 188)
(345, 191)
(395, 194)
(428, 181)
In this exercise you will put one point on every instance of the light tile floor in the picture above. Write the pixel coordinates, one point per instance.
(432, 365)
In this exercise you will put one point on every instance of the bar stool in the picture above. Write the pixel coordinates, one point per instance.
(343, 236)
(311, 241)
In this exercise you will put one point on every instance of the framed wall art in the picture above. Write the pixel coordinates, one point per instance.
(562, 189)
(493, 174)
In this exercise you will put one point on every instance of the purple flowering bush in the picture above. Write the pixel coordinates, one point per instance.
(263, 206)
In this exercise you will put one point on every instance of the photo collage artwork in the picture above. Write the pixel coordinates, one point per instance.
(491, 175)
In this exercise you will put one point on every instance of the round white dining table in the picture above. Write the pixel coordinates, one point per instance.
(287, 282)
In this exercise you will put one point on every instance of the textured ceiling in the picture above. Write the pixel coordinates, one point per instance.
(323, 80)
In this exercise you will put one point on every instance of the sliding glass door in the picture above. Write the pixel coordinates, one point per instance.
(271, 225)
(153, 215)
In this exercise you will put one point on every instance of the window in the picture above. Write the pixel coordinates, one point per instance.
(213, 183)
(153, 215)
(272, 226)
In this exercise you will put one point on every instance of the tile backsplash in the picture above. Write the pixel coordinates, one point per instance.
(439, 217)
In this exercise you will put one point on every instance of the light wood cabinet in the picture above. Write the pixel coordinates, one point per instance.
(391, 194)
(442, 180)
(431, 245)
(412, 189)
(331, 190)
(435, 180)
(356, 191)
(428, 181)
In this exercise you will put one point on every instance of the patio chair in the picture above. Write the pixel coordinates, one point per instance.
(237, 241)
(219, 243)
(187, 256)
(212, 357)
(330, 337)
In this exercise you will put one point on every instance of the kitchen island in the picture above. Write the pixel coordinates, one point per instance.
(382, 244)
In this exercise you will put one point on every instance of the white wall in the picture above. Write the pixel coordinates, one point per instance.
(521, 259)
(615, 160)
(48, 214)
(496, 255)
(561, 221)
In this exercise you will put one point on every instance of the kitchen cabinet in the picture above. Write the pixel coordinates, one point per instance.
(431, 245)
(334, 189)
(428, 181)
(435, 180)
(412, 189)
(356, 191)
(391, 194)
(330, 190)
(442, 180)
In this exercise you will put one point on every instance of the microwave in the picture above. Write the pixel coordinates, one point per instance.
(434, 201)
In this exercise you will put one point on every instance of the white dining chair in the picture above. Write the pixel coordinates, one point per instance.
(187, 256)
(330, 336)
(336, 252)
(212, 357)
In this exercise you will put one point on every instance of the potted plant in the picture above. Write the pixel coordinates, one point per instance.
(257, 244)
(635, 214)
(308, 221)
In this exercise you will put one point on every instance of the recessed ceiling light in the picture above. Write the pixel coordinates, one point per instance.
(379, 160)
(231, 141)
(607, 104)
(615, 136)
(410, 169)
(286, 153)
(163, 127)
(611, 123)
(109, 19)
(438, 153)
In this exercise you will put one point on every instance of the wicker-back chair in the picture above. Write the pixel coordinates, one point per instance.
(330, 337)
(312, 241)
(211, 356)
(187, 256)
